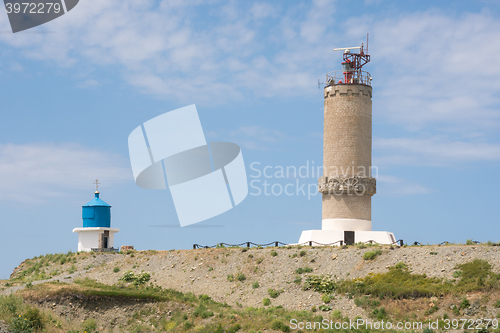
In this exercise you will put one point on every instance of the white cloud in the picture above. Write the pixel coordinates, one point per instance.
(262, 10)
(435, 69)
(433, 151)
(34, 173)
(88, 83)
(16, 67)
(430, 68)
(172, 50)
(396, 186)
(257, 137)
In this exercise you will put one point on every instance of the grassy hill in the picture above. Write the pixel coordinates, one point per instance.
(257, 289)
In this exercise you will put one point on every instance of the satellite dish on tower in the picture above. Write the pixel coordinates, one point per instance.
(348, 49)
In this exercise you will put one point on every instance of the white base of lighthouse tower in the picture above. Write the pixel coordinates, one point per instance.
(349, 231)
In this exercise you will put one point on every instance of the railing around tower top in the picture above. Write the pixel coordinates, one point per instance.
(349, 77)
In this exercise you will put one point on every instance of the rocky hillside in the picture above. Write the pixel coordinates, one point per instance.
(280, 277)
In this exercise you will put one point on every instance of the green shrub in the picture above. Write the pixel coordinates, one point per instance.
(233, 329)
(302, 253)
(370, 255)
(379, 313)
(204, 297)
(188, 325)
(202, 312)
(301, 270)
(116, 269)
(128, 276)
(10, 305)
(457, 274)
(325, 308)
(266, 301)
(397, 283)
(320, 283)
(89, 325)
(298, 280)
(35, 318)
(136, 279)
(336, 314)
(255, 285)
(433, 253)
(433, 309)
(273, 293)
(274, 253)
(278, 325)
(241, 277)
(142, 278)
(401, 265)
(219, 329)
(456, 310)
(20, 325)
(366, 302)
(477, 275)
(497, 304)
(326, 299)
(469, 242)
(230, 277)
(465, 303)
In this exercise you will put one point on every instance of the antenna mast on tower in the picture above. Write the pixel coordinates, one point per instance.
(352, 64)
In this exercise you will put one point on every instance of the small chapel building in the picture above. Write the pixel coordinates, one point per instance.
(96, 234)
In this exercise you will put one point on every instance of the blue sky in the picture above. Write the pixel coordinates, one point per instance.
(73, 89)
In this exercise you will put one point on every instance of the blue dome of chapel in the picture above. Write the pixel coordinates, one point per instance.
(96, 202)
(96, 213)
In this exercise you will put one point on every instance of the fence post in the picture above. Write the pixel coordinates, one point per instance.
(341, 243)
(276, 244)
(400, 242)
(310, 243)
(248, 244)
(194, 246)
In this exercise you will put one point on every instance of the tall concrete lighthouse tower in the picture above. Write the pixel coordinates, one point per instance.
(347, 185)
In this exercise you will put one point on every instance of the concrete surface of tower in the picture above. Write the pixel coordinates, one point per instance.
(347, 146)
(347, 184)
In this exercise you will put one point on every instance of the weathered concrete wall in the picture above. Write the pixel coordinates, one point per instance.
(347, 147)
(347, 207)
